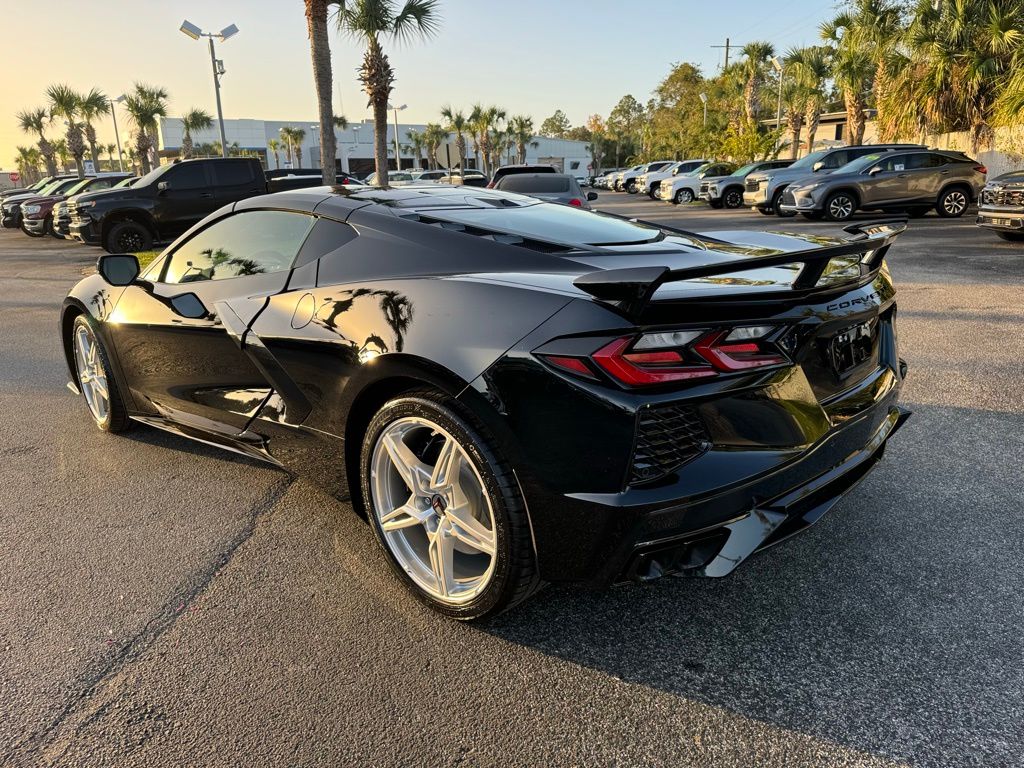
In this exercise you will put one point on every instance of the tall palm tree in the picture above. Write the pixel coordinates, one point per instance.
(755, 61)
(275, 146)
(27, 162)
(368, 21)
(110, 149)
(417, 141)
(323, 80)
(457, 123)
(851, 72)
(293, 138)
(92, 106)
(433, 136)
(193, 120)
(60, 148)
(521, 130)
(484, 121)
(64, 104)
(811, 67)
(286, 134)
(145, 105)
(35, 121)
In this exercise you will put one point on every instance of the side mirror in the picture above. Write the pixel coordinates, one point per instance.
(118, 268)
(591, 196)
(817, 166)
(876, 169)
(163, 186)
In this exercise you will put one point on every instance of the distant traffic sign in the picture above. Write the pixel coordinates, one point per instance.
(448, 154)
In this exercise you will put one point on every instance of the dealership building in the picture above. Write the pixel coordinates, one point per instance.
(354, 145)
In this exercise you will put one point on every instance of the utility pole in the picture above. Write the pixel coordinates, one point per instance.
(727, 47)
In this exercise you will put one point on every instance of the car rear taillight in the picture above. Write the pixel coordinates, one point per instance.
(981, 169)
(490, 185)
(576, 202)
(666, 357)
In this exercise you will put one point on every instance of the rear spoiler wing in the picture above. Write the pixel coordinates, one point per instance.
(632, 289)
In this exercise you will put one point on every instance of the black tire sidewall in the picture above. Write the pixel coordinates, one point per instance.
(500, 591)
(734, 195)
(940, 206)
(118, 229)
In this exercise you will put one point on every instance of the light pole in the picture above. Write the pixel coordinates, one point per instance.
(704, 101)
(398, 157)
(778, 66)
(312, 157)
(117, 136)
(218, 68)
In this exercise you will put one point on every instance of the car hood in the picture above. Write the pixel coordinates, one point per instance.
(19, 198)
(41, 199)
(108, 195)
(783, 174)
(832, 178)
(677, 252)
(1013, 177)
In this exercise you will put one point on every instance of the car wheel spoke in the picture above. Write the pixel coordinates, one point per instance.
(442, 559)
(470, 531)
(407, 515)
(449, 463)
(412, 471)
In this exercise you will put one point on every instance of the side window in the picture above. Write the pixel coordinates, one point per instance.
(99, 184)
(247, 243)
(836, 159)
(893, 163)
(186, 176)
(327, 235)
(926, 160)
(232, 173)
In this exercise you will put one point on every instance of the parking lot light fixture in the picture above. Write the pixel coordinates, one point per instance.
(779, 67)
(704, 101)
(117, 136)
(190, 29)
(398, 158)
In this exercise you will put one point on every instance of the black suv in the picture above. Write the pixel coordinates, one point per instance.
(165, 202)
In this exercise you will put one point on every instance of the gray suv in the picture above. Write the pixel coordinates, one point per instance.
(763, 190)
(911, 182)
(1002, 206)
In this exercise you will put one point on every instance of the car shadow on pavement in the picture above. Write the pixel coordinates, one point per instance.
(893, 626)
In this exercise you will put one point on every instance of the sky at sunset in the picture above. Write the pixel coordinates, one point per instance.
(531, 57)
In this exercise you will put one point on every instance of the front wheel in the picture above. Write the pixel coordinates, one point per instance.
(653, 192)
(29, 232)
(446, 508)
(733, 198)
(631, 187)
(683, 196)
(95, 382)
(952, 203)
(128, 237)
(840, 206)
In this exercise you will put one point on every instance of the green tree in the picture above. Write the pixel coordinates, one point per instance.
(193, 120)
(555, 126)
(275, 146)
(418, 142)
(145, 105)
(755, 65)
(624, 123)
(433, 136)
(368, 21)
(35, 121)
(456, 122)
(521, 134)
(64, 104)
(92, 106)
(811, 68)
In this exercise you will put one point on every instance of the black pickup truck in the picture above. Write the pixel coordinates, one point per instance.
(170, 199)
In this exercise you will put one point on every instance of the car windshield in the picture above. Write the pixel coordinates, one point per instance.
(79, 186)
(124, 183)
(809, 160)
(153, 175)
(48, 189)
(860, 164)
(530, 184)
(554, 222)
(699, 169)
(744, 170)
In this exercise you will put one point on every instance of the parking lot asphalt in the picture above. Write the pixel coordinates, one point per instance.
(163, 603)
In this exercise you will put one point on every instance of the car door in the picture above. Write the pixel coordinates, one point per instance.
(925, 176)
(235, 180)
(890, 183)
(177, 334)
(184, 196)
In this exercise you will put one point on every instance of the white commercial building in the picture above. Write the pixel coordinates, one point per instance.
(354, 145)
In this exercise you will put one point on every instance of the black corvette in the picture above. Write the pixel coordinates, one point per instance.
(512, 392)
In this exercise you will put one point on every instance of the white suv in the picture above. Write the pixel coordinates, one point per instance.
(683, 188)
(632, 179)
(650, 182)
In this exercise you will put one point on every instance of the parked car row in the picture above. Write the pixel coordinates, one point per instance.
(832, 184)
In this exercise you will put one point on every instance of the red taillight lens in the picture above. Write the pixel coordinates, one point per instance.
(735, 356)
(576, 202)
(645, 368)
(570, 364)
(981, 169)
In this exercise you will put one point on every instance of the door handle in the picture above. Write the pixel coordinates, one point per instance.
(902, 176)
(944, 173)
(206, 194)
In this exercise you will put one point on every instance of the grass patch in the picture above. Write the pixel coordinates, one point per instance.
(146, 258)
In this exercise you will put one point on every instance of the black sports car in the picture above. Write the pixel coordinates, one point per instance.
(513, 392)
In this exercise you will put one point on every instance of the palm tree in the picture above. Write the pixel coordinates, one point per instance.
(368, 20)
(851, 71)
(293, 138)
(811, 67)
(756, 57)
(144, 105)
(93, 105)
(323, 80)
(433, 136)
(35, 121)
(110, 149)
(287, 138)
(484, 120)
(193, 120)
(275, 146)
(28, 162)
(60, 148)
(417, 141)
(521, 133)
(457, 124)
(64, 103)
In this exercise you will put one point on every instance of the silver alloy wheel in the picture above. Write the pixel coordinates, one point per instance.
(840, 207)
(955, 202)
(433, 510)
(684, 196)
(91, 376)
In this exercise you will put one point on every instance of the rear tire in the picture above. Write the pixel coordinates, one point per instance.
(95, 378)
(1013, 237)
(463, 571)
(128, 237)
(952, 203)
(776, 201)
(683, 196)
